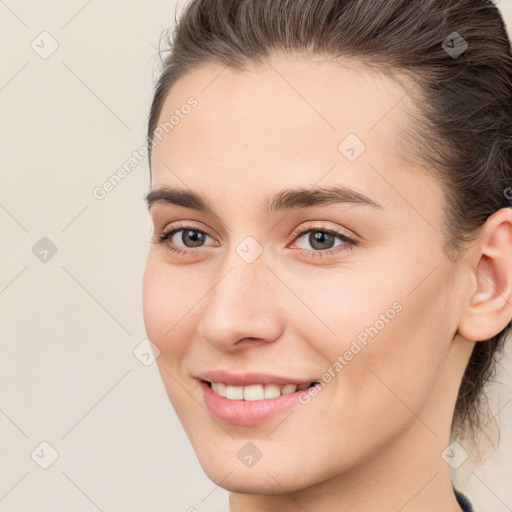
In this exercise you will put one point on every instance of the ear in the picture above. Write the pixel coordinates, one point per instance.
(489, 300)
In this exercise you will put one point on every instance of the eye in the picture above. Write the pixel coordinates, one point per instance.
(186, 239)
(182, 239)
(323, 240)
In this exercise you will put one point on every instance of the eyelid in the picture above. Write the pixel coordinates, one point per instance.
(296, 232)
(303, 228)
(179, 225)
(184, 226)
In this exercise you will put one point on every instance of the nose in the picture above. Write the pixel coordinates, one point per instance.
(242, 308)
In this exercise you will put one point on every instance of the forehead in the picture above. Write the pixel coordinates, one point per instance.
(289, 120)
(326, 97)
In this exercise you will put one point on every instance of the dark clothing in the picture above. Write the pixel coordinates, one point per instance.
(463, 501)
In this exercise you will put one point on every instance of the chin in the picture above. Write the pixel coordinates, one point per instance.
(264, 477)
(254, 481)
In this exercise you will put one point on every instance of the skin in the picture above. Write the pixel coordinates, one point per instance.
(372, 438)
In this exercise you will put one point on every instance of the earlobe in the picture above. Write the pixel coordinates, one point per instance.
(489, 308)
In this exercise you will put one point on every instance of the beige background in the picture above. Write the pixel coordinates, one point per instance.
(69, 325)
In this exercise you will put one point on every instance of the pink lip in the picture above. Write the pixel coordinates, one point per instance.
(242, 412)
(247, 379)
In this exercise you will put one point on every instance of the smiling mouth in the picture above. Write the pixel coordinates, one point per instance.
(256, 391)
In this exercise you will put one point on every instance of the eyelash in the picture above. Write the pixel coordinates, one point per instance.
(349, 243)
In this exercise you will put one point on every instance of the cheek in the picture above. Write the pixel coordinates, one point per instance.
(165, 307)
(154, 297)
(395, 341)
(383, 340)
(164, 304)
(336, 308)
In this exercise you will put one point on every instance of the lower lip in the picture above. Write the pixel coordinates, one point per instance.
(246, 412)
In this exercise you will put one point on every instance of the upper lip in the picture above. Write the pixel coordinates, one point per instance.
(248, 379)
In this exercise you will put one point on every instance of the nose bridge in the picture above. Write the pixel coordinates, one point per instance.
(242, 302)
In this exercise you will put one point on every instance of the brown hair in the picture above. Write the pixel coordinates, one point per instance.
(463, 97)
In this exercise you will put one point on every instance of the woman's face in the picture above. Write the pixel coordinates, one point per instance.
(298, 146)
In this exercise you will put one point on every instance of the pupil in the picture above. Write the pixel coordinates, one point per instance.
(195, 237)
(318, 237)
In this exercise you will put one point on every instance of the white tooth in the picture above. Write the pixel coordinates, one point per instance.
(219, 388)
(235, 392)
(254, 392)
(272, 391)
(288, 389)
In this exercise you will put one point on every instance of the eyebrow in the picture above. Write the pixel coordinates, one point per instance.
(287, 199)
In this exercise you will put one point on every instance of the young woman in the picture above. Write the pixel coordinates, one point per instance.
(330, 279)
